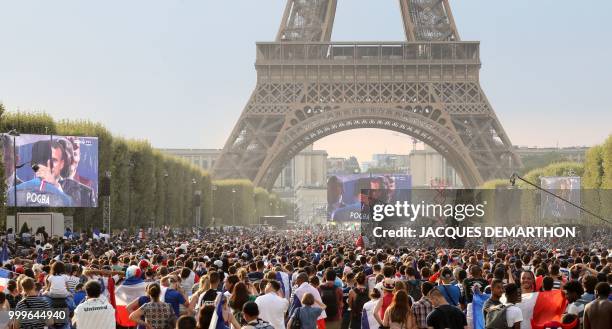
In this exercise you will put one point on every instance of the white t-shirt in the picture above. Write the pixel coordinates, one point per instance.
(187, 283)
(369, 308)
(513, 315)
(272, 309)
(94, 313)
(58, 285)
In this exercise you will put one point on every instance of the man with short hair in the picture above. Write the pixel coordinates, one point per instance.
(94, 312)
(598, 313)
(424, 306)
(272, 306)
(497, 290)
(250, 313)
(451, 292)
(444, 316)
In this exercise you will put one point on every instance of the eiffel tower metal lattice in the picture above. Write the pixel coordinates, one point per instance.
(308, 88)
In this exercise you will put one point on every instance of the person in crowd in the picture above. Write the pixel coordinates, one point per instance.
(598, 313)
(32, 302)
(79, 294)
(5, 307)
(332, 298)
(451, 292)
(399, 314)
(423, 306)
(272, 307)
(444, 316)
(240, 295)
(186, 322)
(307, 315)
(154, 314)
(357, 297)
(13, 295)
(94, 312)
(250, 312)
(368, 310)
(174, 294)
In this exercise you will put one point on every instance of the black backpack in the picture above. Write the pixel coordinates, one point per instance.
(496, 318)
(296, 322)
(361, 297)
(330, 299)
(414, 289)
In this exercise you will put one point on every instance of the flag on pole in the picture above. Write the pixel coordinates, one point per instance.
(477, 305)
(39, 256)
(4, 255)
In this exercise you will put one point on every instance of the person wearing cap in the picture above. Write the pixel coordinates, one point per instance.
(388, 285)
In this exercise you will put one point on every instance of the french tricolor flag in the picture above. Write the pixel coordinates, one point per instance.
(4, 278)
(131, 289)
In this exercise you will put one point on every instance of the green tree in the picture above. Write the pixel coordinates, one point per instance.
(593, 168)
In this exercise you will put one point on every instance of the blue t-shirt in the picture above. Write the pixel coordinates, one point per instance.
(451, 293)
(79, 296)
(175, 299)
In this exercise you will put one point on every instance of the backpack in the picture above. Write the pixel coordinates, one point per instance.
(361, 298)
(414, 289)
(496, 318)
(330, 299)
(261, 324)
(296, 322)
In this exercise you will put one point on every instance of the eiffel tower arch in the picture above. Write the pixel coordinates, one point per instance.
(309, 87)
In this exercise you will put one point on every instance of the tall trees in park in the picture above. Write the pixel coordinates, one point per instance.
(147, 187)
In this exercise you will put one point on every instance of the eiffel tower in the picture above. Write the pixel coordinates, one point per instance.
(309, 87)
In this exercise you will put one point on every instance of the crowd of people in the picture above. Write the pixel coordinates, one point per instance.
(323, 278)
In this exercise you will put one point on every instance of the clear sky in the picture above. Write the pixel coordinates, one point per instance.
(179, 73)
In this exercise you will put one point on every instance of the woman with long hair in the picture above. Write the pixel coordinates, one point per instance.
(206, 312)
(157, 314)
(240, 295)
(399, 314)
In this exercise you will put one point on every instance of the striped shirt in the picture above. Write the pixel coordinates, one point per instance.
(33, 303)
(72, 282)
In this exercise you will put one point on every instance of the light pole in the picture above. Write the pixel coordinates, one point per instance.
(212, 196)
(131, 166)
(167, 204)
(196, 203)
(233, 207)
(14, 133)
(107, 200)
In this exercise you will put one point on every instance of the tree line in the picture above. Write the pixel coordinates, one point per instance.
(147, 187)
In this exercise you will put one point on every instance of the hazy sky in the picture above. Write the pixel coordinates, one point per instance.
(179, 73)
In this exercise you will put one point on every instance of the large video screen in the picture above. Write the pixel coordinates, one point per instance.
(566, 187)
(343, 193)
(51, 171)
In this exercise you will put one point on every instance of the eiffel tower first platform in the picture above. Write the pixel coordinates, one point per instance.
(308, 87)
